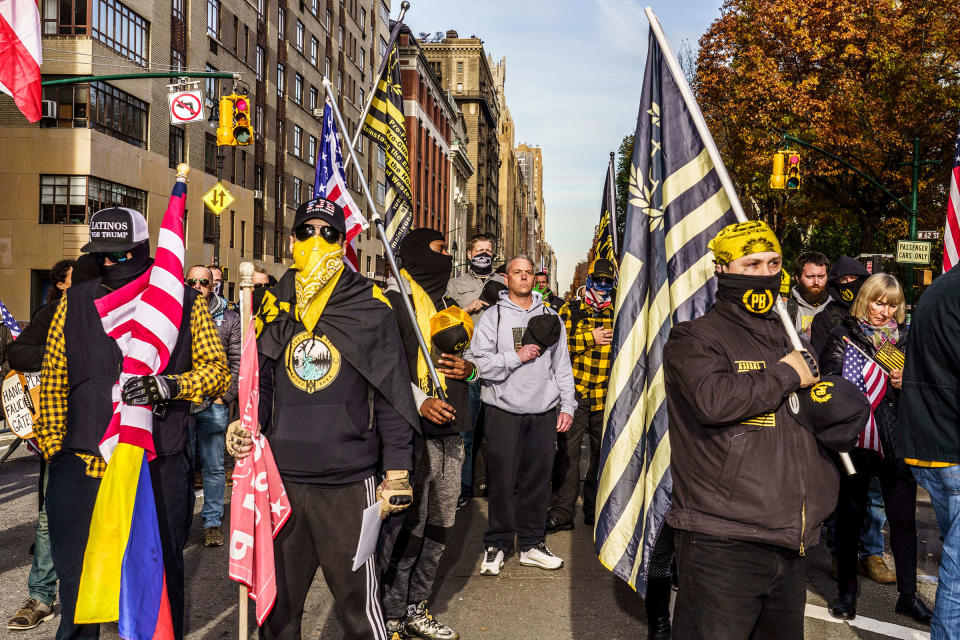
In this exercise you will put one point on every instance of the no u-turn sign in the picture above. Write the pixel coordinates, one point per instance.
(186, 106)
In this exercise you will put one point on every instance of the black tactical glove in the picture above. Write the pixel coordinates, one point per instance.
(143, 390)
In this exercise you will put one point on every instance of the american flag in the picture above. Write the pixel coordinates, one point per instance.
(9, 321)
(872, 382)
(951, 236)
(331, 184)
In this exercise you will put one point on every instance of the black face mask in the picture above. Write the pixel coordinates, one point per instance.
(430, 269)
(755, 294)
(848, 291)
(117, 275)
(481, 264)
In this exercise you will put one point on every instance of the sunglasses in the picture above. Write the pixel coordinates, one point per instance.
(307, 231)
(203, 282)
(114, 256)
(603, 282)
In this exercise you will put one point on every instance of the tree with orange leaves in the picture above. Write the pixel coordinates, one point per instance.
(860, 78)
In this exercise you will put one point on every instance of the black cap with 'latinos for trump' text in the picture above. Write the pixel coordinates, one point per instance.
(116, 229)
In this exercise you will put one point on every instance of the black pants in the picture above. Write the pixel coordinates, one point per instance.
(71, 495)
(566, 467)
(322, 532)
(900, 503)
(520, 450)
(736, 590)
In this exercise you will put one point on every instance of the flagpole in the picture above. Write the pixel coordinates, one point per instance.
(376, 79)
(612, 198)
(694, 109)
(246, 309)
(375, 217)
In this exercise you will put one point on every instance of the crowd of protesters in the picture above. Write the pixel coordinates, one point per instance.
(757, 427)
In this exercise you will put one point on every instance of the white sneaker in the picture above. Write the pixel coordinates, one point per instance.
(492, 562)
(540, 556)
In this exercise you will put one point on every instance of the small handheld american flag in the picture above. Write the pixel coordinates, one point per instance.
(871, 380)
(9, 321)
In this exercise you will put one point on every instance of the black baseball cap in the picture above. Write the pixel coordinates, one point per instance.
(116, 229)
(543, 331)
(491, 292)
(833, 410)
(323, 209)
(603, 269)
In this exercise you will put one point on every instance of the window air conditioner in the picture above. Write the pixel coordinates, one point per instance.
(49, 108)
(258, 194)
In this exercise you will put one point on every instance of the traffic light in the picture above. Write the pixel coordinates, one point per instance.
(234, 129)
(786, 170)
(793, 169)
(242, 132)
(778, 177)
(225, 130)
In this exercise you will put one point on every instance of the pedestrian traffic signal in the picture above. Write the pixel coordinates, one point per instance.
(793, 169)
(234, 129)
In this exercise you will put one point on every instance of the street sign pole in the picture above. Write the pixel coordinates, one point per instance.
(216, 232)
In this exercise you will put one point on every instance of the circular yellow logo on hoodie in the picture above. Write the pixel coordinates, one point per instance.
(312, 362)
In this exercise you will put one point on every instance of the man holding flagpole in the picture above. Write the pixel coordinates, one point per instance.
(76, 402)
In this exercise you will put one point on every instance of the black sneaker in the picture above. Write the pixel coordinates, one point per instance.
(420, 624)
(463, 501)
(553, 525)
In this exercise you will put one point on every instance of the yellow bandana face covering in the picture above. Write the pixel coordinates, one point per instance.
(741, 239)
(317, 263)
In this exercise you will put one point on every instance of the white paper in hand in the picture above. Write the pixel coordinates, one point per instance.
(369, 535)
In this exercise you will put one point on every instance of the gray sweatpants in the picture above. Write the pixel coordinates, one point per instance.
(421, 539)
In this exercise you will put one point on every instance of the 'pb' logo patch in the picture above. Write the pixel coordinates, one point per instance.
(759, 301)
(846, 294)
(820, 392)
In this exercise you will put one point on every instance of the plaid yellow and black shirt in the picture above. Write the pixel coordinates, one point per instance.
(591, 363)
(210, 376)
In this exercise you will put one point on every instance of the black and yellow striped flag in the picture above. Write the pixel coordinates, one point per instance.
(385, 125)
(607, 230)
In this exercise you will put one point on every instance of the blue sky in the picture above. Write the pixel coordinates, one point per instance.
(574, 73)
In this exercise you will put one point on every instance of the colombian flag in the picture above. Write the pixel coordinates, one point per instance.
(123, 576)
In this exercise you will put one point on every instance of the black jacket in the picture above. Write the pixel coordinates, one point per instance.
(26, 353)
(930, 398)
(831, 361)
(742, 466)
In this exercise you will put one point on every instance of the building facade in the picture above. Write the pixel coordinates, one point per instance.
(111, 143)
(531, 165)
(461, 66)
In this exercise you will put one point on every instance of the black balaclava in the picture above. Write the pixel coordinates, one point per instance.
(755, 294)
(117, 275)
(482, 264)
(431, 270)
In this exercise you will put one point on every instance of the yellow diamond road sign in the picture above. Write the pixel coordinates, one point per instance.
(218, 198)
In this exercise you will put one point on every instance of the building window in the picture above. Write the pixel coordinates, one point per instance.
(121, 29)
(363, 57)
(63, 199)
(118, 114)
(176, 146)
(383, 48)
(261, 8)
(258, 177)
(210, 87)
(340, 38)
(71, 106)
(259, 63)
(312, 151)
(233, 226)
(298, 88)
(314, 51)
(360, 95)
(459, 67)
(297, 140)
(210, 154)
(281, 80)
(381, 192)
(258, 120)
(298, 43)
(459, 86)
(381, 157)
(213, 18)
(71, 199)
(281, 23)
(64, 18)
(246, 43)
(176, 9)
(384, 13)
(326, 67)
(314, 96)
(243, 169)
(363, 19)
(297, 191)
(177, 62)
(327, 22)
(210, 223)
(339, 81)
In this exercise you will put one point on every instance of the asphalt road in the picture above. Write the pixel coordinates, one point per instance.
(581, 601)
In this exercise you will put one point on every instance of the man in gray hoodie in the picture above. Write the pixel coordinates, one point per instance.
(529, 393)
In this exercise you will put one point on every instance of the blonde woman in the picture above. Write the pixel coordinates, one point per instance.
(876, 318)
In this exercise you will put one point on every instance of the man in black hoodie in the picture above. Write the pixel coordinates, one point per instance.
(846, 278)
(335, 405)
(438, 455)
